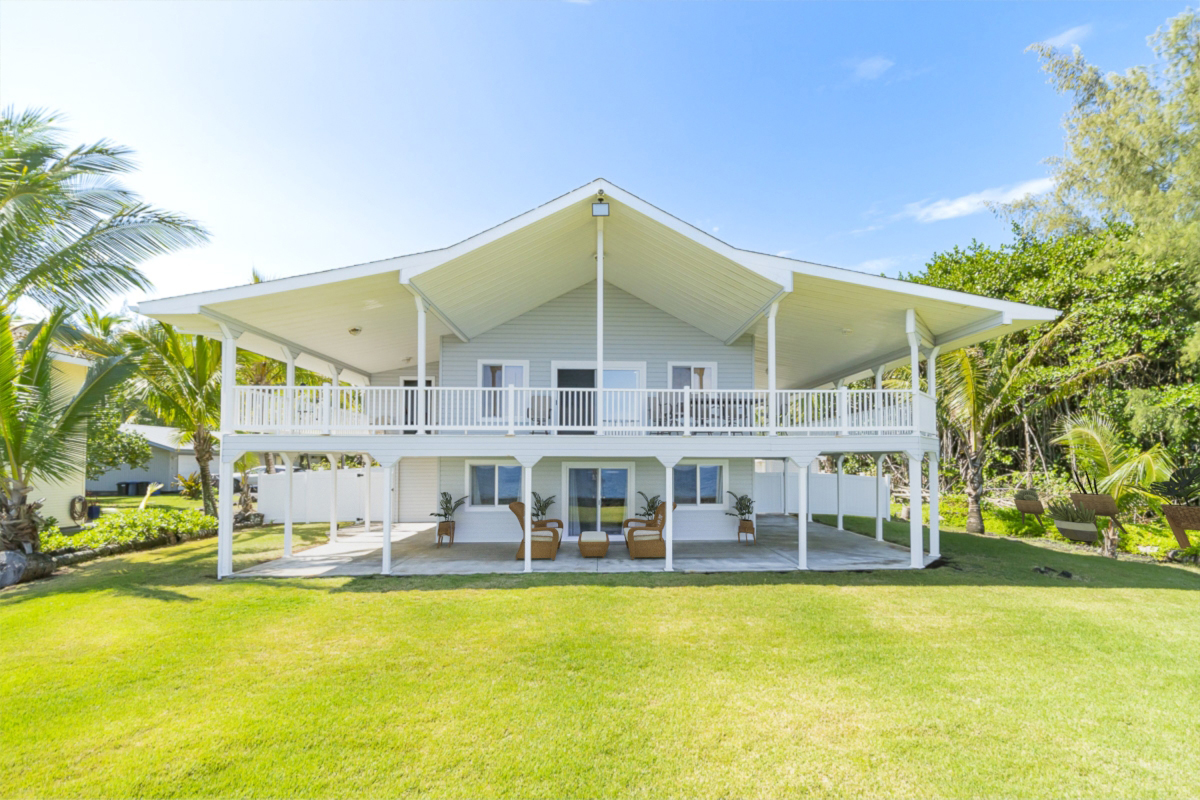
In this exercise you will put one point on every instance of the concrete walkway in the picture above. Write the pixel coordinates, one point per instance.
(358, 552)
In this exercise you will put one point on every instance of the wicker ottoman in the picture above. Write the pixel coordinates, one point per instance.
(593, 544)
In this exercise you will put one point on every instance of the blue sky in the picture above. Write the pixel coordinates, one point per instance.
(315, 135)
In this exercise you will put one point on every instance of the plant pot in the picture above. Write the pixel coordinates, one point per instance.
(1182, 518)
(745, 528)
(1029, 506)
(1077, 531)
(445, 530)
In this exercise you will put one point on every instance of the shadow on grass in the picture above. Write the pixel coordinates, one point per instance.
(166, 573)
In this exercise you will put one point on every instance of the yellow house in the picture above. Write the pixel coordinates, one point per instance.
(56, 496)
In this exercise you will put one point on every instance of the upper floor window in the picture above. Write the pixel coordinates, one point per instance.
(694, 375)
(503, 373)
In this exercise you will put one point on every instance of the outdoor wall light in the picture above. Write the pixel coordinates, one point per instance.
(355, 331)
(599, 209)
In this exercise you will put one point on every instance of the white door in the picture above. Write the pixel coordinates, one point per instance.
(418, 489)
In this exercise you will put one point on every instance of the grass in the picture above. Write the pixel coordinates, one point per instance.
(174, 501)
(140, 675)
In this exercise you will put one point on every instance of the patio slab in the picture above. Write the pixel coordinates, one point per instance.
(357, 552)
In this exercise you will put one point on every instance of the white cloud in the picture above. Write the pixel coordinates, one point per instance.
(878, 265)
(1070, 36)
(868, 69)
(937, 210)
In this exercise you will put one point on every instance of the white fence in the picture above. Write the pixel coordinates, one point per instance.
(328, 409)
(310, 495)
(776, 492)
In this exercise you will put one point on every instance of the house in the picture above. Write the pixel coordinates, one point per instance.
(57, 496)
(170, 455)
(473, 370)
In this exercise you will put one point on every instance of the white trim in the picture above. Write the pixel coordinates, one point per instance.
(706, 462)
(631, 485)
(637, 366)
(488, 462)
(712, 365)
(503, 362)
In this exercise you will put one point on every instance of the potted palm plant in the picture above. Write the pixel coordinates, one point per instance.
(447, 505)
(743, 509)
(649, 505)
(1182, 490)
(541, 506)
(1074, 523)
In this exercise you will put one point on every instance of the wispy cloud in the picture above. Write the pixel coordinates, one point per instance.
(869, 69)
(951, 208)
(1071, 36)
(877, 266)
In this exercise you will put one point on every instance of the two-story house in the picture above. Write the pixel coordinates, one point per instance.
(592, 348)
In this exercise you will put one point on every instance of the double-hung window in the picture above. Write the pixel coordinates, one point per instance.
(693, 375)
(700, 485)
(494, 485)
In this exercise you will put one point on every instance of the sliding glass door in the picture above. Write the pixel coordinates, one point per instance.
(597, 499)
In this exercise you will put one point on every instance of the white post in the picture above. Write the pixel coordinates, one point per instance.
(879, 498)
(599, 326)
(289, 390)
(931, 370)
(286, 458)
(669, 526)
(841, 470)
(421, 392)
(772, 384)
(366, 457)
(915, 539)
(802, 516)
(527, 490)
(333, 491)
(880, 415)
(935, 524)
(225, 516)
(390, 477)
(914, 352)
(808, 469)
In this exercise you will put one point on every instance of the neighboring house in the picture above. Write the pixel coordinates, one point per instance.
(473, 369)
(56, 496)
(168, 458)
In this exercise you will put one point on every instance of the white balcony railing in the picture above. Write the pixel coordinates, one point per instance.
(380, 409)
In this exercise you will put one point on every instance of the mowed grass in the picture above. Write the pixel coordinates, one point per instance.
(141, 675)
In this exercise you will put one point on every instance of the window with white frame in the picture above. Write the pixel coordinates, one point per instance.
(700, 485)
(695, 375)
(494, 485)
(498, 375)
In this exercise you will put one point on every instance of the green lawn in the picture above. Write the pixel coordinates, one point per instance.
(140, 675)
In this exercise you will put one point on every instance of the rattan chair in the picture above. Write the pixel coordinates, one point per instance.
(546, 535)
(644, 537)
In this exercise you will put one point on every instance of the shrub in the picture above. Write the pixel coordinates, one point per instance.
(139, 525)
(191, 486)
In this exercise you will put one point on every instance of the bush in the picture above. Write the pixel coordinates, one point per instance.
(138, 525)
(190, 486)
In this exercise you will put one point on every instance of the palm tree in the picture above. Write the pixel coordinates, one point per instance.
(43, 428)
(1102, 462)
(179, 381)
(979, 392)
(68, 230)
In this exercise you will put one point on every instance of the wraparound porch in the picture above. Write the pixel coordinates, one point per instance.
(358, 553)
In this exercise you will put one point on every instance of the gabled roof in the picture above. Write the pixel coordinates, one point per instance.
(161, 436)
(483, 281)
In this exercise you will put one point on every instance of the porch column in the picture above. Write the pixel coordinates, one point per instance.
(841, 470)
(286, 458)
(802, 518)
(421, 393)
(388, 515)
(289, 388)
(935, 524)
(333, 491)
(527, 463)
(879, 498)
(228, 378)
(669, 463)
(915, 539)
(772, 384)
(807, 470)
(366, 457)
(599, 326)
(914, 352)
(225, 512)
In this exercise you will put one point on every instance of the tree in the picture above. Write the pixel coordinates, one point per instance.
(43, 427)
(68, 230)
(179, 381)
(108, 447)
(1102, 461)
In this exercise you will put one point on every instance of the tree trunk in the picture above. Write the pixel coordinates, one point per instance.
(1109, 546)
(17, 567)
(974, 490)
(206, 492)
(269, 462)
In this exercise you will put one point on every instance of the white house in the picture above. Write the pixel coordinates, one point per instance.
(169, 456)
(473, 369)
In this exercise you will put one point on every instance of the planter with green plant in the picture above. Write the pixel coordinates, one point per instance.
(541, 506)
(447, 505)
(1028, 502)
(1182, 491)
(650, 505)
(743, 509)
(1074, 523)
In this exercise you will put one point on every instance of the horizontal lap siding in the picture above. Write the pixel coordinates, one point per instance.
(564, 329)
(649, 476)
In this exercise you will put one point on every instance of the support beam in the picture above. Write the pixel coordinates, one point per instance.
(286, 458)
(527, 463)
(669, 463)
(802, 518)
(915, 538)
(931, 370)
(914, 355)
(222, 320)
(422, 393)
(599, 326)
(841, 471)
(333, 496)
(935, 523)
(772, 383)
(228, 377)
(366, 457)
(289, 383)
(225, 520)
(879, 498)
(389, 505)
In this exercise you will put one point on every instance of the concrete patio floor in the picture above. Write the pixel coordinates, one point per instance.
(358, 552)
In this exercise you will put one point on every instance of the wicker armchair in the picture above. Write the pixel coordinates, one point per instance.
(644, 537)
(546, 535)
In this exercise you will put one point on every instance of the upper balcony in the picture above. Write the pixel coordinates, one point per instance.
(625, 412)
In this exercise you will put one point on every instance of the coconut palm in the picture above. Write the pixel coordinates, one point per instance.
(179, 381)
(1102, 462)
(43, 427)
(68, 230)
